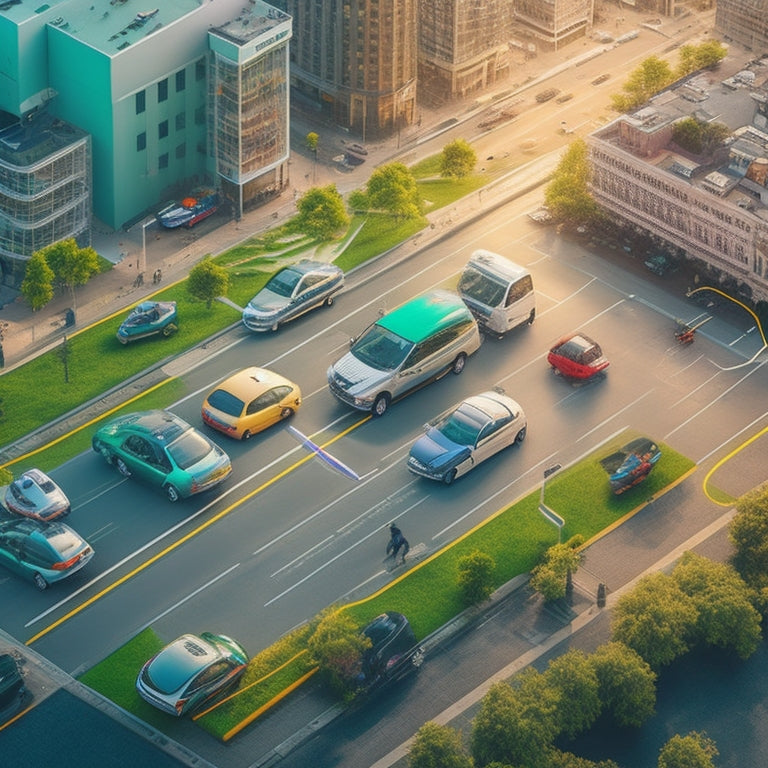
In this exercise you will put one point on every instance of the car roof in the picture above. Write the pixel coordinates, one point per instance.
(163, 425)
(181, 660)
(251, 382)
(307, 265)
(425, 315)
(496, 264)
(495, 404)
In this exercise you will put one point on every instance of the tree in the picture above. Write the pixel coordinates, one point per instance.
(699, 137)
(207, 280)
(516, 725)
(696, 750)
(550, 577)
(337, 645)
(567, 195)
(702, 56)
(438, 746)
(627, 683)
(559, 759)
(748, 533)
(476, 577)
(392, 188)
(312, 140)
(651, 76)
(457, 159)
(37, 286)
(726, 616)
(575, 681)
(656, 619)
(321, 212)
(71, 265)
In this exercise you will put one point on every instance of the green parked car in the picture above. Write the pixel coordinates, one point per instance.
(162, 450)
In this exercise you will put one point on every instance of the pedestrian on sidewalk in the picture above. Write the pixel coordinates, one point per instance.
(397, 542)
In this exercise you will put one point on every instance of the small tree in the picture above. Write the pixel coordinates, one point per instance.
(476, 577)
(696, 750)
(312, 141)
(651, 76)
(457, 159)
(726, 616)
(392, 188)
(656, 619)
(71, 265)
(567, 195)
(627, 683)
(702, 56)
(550, 577)
(337, 646)
(438, 746)
(37, 286)
(321, 212)
(748, 533)
(207, 280)
(575, 681)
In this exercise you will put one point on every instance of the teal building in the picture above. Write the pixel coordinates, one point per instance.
(144, 104)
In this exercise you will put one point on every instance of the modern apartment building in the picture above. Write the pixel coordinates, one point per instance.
(745, 22)
(153, 101)
(712, 208)
(356, 61)
(463, 47)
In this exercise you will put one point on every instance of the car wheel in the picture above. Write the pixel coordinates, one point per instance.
(172, 494)
(521, 435)
(275, 326)
(380, 405)
(449, 476)
(329, 301)
(122, 468)
(246, 435)
(286, 413)
(532, 317)
(459, 363)
(40, 582)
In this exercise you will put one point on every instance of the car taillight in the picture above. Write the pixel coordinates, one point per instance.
(180, 704)
(64, 564)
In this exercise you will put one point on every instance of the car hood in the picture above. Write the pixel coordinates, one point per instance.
(266, 302)
(435, 450)
(355, 377)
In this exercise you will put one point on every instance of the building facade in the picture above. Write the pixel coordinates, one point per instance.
(463, 47)
(745, 22)
(712, 209)
(136, 83)
(356, 61)
(554, 22)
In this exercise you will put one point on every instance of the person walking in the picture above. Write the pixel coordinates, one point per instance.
(397, 543)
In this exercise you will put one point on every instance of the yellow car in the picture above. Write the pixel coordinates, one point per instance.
(250, 401)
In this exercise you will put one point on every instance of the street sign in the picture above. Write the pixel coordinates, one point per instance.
(551, 515)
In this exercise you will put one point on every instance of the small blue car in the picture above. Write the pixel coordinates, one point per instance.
(150, 318)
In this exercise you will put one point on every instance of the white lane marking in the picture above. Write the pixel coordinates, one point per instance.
(732, 437)
(614, 415)
(334, 558)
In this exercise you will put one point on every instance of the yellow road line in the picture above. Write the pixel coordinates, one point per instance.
(187, 537)
(722, 461)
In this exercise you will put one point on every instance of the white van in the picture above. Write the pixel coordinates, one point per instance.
(498, 292)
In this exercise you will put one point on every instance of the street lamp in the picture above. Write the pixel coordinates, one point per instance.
(549, 513)
(142, 262)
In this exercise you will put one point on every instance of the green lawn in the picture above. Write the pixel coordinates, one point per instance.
(515, 537)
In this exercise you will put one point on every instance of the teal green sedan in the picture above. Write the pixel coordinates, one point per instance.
(161, 449)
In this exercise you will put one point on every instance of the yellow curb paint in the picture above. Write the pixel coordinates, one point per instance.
(722, 461)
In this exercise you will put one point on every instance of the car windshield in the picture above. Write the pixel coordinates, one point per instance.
(188, 449)
(226, 402)
(284, 282)
(475, 285)
(381, 349)
(463, 425)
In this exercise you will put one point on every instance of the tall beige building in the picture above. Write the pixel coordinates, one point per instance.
(463, 47)
(745, 22)
(356, 60)
(554, 22)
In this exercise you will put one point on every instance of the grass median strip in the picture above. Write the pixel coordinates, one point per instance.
(515, 537)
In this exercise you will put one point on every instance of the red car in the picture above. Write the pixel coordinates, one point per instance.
(576, 356)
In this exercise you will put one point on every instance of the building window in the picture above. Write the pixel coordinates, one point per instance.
(141, 142)
(162, 90)
(141, 102)
(162, 130)
(181, 80)
(181, 151)
(162, 161)
(200, 116)
(200, 69)
(181, 121)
